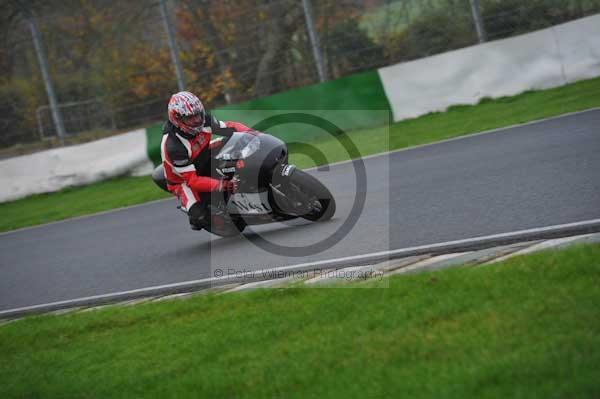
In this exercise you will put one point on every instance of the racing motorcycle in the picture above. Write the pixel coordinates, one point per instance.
(269, 188)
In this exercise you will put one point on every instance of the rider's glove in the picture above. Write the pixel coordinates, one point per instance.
(230, 186)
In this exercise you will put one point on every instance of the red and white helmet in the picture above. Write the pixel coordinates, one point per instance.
(186, 112)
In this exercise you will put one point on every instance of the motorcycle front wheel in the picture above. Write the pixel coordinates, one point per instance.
(307, 197)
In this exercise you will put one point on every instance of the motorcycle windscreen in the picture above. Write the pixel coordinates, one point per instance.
(239, 146)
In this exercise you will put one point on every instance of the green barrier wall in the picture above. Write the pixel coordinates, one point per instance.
(332, 100)
(153, 140)
(359, 91)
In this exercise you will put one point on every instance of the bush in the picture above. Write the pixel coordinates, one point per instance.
(435, 31)
(449, 27)
(18, 123)
(350, 49)
(512, 17)
(505, 18)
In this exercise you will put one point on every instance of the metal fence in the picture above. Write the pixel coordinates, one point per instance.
(111, 64)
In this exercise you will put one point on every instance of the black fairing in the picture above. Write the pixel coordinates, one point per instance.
(258, 168)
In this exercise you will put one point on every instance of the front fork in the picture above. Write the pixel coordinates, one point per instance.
(281, 174)
(282, 192)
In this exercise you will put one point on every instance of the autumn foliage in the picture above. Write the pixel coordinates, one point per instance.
(111, 67)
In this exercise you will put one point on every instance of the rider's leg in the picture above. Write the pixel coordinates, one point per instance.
(193, 203)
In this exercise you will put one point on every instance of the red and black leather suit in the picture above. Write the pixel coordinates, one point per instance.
(187, 162)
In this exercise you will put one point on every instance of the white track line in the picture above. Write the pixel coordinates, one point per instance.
(371, 257)
(380, 154)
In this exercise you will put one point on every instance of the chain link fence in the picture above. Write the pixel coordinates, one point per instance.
(111, 67)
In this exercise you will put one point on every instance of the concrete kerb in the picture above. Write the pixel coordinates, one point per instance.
(467, 245)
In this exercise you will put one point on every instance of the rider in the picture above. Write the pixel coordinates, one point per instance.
(185, 152)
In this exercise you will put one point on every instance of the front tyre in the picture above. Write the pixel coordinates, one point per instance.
(311, 199)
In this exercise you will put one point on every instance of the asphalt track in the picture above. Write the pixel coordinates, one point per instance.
(535, 175)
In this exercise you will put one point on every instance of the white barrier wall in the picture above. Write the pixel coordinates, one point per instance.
(543, 59)
(55, 169)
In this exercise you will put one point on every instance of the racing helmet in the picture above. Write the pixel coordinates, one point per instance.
(186, 112)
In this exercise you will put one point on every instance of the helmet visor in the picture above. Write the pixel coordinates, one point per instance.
(195, 120)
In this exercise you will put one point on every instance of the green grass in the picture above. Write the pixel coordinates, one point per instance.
(464, 120)
(77, 201)
(528, 327)
(457, 121)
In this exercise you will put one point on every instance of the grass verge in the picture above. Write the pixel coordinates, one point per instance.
(526, 327)
(457, 121)
(77, 201)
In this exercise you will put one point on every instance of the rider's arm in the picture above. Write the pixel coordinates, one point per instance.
(178, 166)
(201, 184)
(226, 129)
(239, 127)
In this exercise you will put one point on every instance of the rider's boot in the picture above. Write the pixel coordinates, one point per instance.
(197, 216)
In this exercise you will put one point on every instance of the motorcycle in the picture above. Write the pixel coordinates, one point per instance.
(269, 188)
